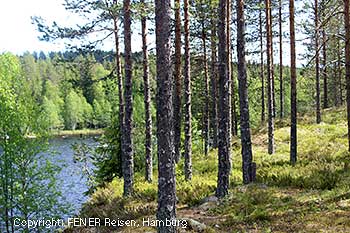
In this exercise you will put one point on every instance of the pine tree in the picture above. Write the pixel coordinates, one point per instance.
(128, 161)
(166, 171)
(224, 147)
(178, 79)
(247, 157)
(147, 96)
(187, 85)
(270, 86)
(293, 86)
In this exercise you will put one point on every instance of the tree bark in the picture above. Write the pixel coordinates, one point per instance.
(166, 171)
(293, 87)
(187, 110)
(206, 81)
(340, 101)
(247, 156)
(347, 62)
(234, 126)
(262, 64)
(281, 60)
(120, 83)
(270, 102)
(325, 75)
(229, 67)
(317, 64)
(177, 72)
(147, 100)
(213, 81)
(128, 166)
(224, 106)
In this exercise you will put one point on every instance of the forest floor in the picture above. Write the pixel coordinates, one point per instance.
(313, 196)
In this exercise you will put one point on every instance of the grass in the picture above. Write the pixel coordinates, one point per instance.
(78, 132)
(312, 196)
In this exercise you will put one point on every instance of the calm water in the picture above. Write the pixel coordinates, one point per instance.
(73, 184)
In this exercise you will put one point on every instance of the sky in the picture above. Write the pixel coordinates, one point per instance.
(19, 35)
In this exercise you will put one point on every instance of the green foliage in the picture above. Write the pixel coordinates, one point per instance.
(28, 184)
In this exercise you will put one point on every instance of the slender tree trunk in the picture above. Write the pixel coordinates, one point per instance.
(247, 156)
(177, 96)
(293, 87)
(271, 144)
(166, 163)
(229, 66)
(206, 81)
(347, 61)
(147, 100)
(187, 84)
(281, 60)
(120, 84)
(325, 75)
(262, 64)
(224, 106)
(234, 126)
(213, 81)
(340, 101)
(128, 167)
(317, 61)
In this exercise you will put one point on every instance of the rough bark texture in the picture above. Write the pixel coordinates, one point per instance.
(281, 60)
(262, 72)
(234, 126)
(166, 171)
(247, 156)
(207, 98)
(324, 71)
(229, 67)
(128, 161)
(147, 100)
(271, 143)
(119, 80)
(213, 83)
(187, 110)
(347, 61)
(177, 76)
(317, 64)
(293, 87)
(224, 107)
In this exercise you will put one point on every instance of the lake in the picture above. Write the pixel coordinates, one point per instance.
(73, 184)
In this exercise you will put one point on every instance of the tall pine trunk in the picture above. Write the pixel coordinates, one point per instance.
(187, 84)
(147, 100)
(224, 106)
(120, 82)
(234, 126)
(347, 61)
(281, 60)
(128, 161)
(270, 96)
(324, 71)
(229, 67)
(206, 82)
(262, 72)
(247, 157)
(293, 87)
(317, 64)
(213, 83)
(177, 75)
(166, 163)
